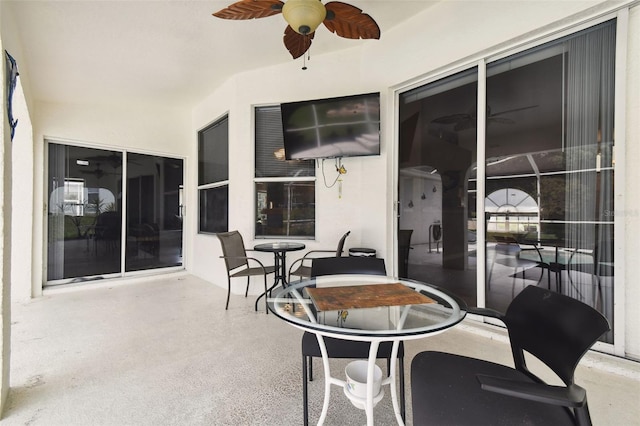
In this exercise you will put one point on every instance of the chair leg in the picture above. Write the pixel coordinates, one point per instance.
(228, 292)
(402, 394)
(305, 396)
(310, 368)
(266, 305)
(246, 292)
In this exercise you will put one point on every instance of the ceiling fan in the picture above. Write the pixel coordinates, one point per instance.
(98, 172)
(303, 17)
(469, 121)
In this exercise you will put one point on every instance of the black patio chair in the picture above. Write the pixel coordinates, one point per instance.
(339, 348)
(449, 389)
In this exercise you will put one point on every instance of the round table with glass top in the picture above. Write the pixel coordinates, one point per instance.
(369, 308)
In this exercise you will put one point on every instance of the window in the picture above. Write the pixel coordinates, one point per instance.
(213, 177)
(285, 190)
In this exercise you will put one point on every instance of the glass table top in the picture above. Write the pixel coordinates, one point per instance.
(362, 307)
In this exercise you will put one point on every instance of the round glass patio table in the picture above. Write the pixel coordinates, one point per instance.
(369, 308)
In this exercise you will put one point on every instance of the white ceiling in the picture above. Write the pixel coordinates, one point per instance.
(170, 51)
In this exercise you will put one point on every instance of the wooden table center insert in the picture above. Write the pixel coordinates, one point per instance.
(365, 296)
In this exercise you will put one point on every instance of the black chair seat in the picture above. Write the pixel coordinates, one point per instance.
(434, 375)
(339, 348)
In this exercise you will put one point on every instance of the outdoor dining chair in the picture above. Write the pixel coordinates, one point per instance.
(340, 348)
(450, 389)
(237, 263)
(302, 267)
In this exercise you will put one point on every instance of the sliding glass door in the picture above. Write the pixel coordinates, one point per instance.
(437, 213)
(549, 170)
(154, 212)
(92, 231)
(547, 182)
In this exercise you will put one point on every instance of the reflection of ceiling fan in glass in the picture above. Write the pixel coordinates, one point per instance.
(469, 121)
(98, 172)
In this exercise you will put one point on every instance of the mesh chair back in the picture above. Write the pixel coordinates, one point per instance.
(555, 328)
(233, 249)
(347, 265)
(340, 248)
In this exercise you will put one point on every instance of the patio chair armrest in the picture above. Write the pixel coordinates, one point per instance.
(257, 261)
(244, 257)
(486, 312)
(572, 396)
(306, 255)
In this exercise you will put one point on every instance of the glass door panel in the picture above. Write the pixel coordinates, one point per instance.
(83, 213)
(437, 155)
(154, 212)
(549, 170)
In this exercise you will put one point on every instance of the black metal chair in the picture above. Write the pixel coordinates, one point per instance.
(450, 389)
(338, 348)
(237, 263)
(302, 267)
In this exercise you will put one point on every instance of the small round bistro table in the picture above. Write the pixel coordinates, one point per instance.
(378, 309)
(279, 250)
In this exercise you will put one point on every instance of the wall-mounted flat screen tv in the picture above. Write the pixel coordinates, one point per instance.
(347, 126)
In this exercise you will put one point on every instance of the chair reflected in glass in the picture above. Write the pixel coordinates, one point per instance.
(591, 272)
(339, 348)
(302, 267)
(556, 329)
(507, 252)
(237, 263)
(108, 231)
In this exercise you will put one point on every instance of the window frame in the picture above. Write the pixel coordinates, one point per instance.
(223, 183)
(283, 179)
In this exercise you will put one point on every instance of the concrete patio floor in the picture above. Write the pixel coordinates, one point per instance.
(163, 351)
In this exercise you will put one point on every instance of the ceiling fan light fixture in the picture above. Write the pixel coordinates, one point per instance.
(304, 16)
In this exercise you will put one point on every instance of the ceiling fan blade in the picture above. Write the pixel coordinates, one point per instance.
(467, 124)
(450, 119)
(511, 110)
(296, 43)
(350, 22)
(500, 120)
(250, 9)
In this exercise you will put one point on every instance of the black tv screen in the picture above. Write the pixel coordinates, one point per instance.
(347, 126)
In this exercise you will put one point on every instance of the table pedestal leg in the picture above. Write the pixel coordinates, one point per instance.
(327, 379)
(392, 380)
